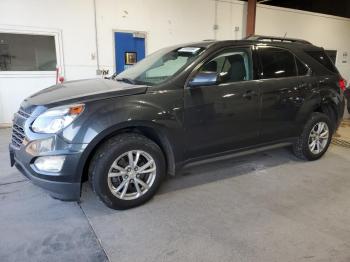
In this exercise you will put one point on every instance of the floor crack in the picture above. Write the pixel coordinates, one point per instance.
(13, 182)
(93, 231)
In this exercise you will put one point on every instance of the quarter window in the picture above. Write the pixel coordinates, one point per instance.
(323, 59)
(20, 52)
(277, 63)
(230, 66)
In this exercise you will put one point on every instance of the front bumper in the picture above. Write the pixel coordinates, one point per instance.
(64, 185)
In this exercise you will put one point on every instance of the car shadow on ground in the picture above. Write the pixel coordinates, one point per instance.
(203, 173)
(216, 170)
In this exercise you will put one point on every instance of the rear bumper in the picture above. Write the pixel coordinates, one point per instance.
(347, 96)
(341, 111)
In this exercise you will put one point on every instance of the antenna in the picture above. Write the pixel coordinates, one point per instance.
(284, 37)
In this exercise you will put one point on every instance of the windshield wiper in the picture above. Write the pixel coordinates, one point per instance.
(126, 80)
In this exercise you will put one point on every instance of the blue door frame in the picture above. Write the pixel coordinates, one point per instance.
(126, 45)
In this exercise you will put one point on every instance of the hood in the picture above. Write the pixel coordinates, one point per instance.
(84, 90)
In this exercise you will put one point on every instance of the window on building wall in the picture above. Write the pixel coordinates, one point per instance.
(21, 52)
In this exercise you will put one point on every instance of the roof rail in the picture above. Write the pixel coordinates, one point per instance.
(276, 39)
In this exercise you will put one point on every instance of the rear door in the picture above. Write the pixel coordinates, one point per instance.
(225, 115)
(281, 93)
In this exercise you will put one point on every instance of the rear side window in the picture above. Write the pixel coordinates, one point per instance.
(323, 59)
(277, 63)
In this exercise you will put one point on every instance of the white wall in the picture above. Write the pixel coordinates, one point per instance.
(329, 32)
(70, 21)
(166, 22)
(73, 18)
(14, 89)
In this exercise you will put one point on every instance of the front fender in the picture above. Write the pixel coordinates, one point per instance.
(161, 112)
(160, 109)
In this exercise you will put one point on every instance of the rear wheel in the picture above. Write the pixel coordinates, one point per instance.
(127, 171)
(315, 138)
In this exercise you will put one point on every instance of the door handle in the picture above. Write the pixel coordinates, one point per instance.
(249, 94)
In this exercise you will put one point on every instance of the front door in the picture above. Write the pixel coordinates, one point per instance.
(224, 115)
(129, 49)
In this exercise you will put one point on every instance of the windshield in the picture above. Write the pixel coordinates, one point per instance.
(160, 66)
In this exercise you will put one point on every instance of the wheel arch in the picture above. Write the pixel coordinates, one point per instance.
(329, 105)
(151, 131)
(329, 109)
(326, 102)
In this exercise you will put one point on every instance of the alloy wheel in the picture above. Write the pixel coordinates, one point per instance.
(131, 175)
(318, 138)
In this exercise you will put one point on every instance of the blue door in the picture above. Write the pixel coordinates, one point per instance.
(128, 50)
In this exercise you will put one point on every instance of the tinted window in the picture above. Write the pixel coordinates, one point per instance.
(302, 68)
(19, 52)
(277, 63)
(231, 66)
(323, 59)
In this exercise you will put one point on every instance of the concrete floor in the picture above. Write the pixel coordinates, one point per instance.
(263, 207)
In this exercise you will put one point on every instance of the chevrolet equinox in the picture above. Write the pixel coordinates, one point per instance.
(180, 104)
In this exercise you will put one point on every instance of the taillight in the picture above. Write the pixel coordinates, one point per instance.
(342, 84)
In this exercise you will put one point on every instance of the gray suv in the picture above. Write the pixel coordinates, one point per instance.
(179, 105)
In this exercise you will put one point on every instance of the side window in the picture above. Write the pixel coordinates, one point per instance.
(231, 66)
(302, 68)
(277, 63)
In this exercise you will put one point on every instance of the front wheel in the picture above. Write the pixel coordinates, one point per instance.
(315, 138)
(127, 170)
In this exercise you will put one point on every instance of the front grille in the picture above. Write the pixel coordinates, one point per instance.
(17, 136)
(18, 133)
(27, 108)
(23, 113)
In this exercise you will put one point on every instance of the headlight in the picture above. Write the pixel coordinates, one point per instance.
(57, 118)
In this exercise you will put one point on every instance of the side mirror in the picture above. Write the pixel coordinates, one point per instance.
(206, 78)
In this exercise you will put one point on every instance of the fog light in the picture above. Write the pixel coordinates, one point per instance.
(49, 163)
(41, 146)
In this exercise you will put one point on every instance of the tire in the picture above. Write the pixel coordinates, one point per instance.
(110, 190)
(301, 147)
